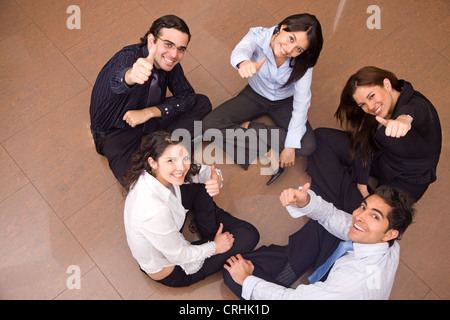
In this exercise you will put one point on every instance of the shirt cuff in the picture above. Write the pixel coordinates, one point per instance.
(249, 284)
(308, 210)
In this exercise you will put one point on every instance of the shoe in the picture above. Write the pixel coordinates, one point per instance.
(275, 176)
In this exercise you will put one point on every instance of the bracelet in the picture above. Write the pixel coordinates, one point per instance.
(219, 173)
(412, 119)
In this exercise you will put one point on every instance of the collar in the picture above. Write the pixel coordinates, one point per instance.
(157, 187)
(264, 42)
(366, 250)
(405, 95)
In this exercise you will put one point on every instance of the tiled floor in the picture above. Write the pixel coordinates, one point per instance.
(60, 206)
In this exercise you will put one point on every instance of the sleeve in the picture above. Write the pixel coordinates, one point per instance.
(346, 287)
(160, 230)
(336, 221)
(419, 113)
(301, 104)
(183, 95)
(119, 65)
(245, 48)
(205, 174)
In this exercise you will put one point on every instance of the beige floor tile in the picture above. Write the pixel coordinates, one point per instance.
(99, 229)
(11, 177)
(92, 286)
(58, 155)
(221, 27)
(12, 18)
(407, 285)
(186, 10)
(36, 248)
(433, 15)
(204, 83)
(42, 80)
(52, 17)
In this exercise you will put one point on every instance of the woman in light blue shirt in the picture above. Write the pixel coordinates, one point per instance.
(278, 63)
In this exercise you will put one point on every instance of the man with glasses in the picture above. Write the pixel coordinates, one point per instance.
(129, 96)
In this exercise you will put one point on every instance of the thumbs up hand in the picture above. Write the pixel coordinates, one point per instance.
(297, 197)
(142, 68)
(248, 69)
(224, 240)
(212, 185)
(396, 128)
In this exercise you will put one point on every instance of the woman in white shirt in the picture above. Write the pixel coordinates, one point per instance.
(278, 63)
(163, 185)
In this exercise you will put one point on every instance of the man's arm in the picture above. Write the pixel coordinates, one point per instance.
(300, 202)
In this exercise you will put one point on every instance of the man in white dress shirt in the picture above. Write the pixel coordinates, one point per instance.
(366, 272)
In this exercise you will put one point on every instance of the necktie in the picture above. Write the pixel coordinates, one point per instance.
(154, 97)
(154, 91)
(343, 247)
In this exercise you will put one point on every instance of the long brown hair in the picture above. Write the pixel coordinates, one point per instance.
(152, 146)
(353, 119)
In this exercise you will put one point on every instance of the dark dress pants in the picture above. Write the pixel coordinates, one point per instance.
(119, 145)
(309, 247)
(249, 105)
(333, 175)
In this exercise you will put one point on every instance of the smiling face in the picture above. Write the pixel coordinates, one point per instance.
(370, 222)
(171, 45)
(172, 166)
(376, 100)
(289, 44)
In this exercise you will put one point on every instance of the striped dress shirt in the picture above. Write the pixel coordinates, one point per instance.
(111, 97)
(367, 273)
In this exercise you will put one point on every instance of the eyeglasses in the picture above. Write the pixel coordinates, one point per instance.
(170, 45)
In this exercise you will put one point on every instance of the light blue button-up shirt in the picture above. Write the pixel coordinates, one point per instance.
(270, 79)
(367, 273)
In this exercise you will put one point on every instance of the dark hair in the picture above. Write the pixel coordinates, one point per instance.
(308, 59)
(153, 146)
(169, 21)
(402, 212)
(353, 119)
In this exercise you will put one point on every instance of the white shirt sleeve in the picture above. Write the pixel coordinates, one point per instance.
(301, 104)
(335, 221)
(245, 48)
(160, 230)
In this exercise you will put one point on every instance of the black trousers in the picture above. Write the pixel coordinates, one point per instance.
(334, 176)
(208, 217)
(119, 145)
(283, 265)
(249, 105)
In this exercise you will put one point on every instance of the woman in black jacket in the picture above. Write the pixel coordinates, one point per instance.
(390, 132)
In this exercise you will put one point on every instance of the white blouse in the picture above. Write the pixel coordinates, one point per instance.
(153, 217)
